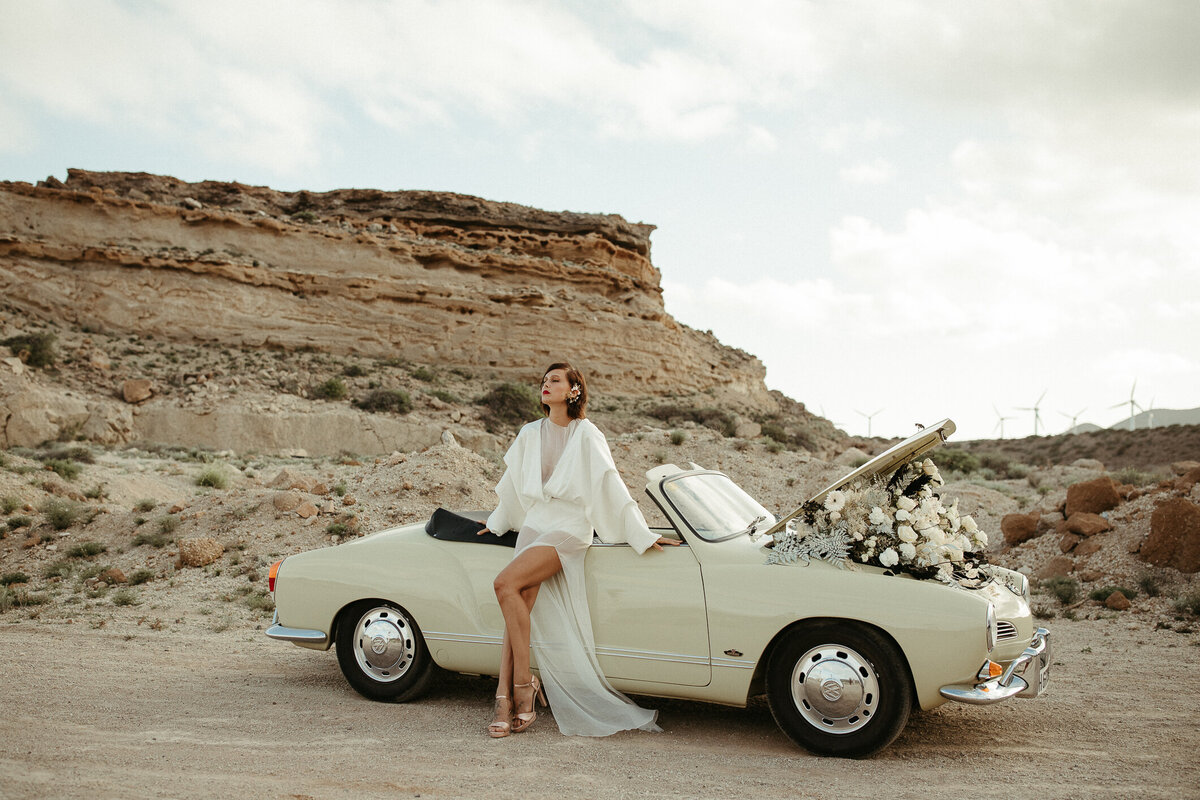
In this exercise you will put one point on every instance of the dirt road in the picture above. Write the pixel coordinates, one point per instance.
(128, 712)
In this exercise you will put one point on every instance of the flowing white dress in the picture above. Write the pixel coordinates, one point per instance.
(559, 485)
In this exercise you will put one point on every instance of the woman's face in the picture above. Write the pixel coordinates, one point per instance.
(555, 388)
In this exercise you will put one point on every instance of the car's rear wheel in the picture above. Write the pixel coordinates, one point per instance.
(839, 689)
(382, 653)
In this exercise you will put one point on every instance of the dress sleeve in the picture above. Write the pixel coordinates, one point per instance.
(509, 514)
(610, 509)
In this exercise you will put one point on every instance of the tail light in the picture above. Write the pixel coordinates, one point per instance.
(272, 575)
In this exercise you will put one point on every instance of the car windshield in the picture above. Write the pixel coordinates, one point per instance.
(713, 505)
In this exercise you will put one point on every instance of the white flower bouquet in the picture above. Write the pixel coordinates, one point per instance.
(900, 524)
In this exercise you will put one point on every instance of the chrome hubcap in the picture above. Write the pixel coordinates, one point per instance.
(384, 644)
(835, 689)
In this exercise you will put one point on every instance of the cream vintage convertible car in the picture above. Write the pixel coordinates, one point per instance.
(842, 655)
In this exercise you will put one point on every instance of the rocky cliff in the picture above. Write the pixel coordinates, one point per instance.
(428, 277)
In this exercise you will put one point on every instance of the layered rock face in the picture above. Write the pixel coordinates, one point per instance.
(427, 277)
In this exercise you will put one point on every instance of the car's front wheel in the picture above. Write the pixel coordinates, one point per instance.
(839, 689)
(382, 653)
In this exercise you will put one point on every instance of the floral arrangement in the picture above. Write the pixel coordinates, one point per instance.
(898, 524)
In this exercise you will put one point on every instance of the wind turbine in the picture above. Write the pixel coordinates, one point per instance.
(868, 416)
(1132, 405)
(1073, 417)
(1037, 415)
(999, 421)
(1150, 412)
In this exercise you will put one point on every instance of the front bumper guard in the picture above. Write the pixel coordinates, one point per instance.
(1027, 676)
(285, 634)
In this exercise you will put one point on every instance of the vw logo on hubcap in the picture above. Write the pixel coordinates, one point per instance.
(379, 644)
(831, 690)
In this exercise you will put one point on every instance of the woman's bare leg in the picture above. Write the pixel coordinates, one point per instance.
(516, 589)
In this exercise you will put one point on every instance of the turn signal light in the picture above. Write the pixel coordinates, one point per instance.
(990, 670)
(271, 576)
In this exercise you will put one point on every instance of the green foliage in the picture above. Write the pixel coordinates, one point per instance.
(57, 569)
(332, 389)
(1100, 595)
(19, 522)
(213, 477)
(508, 405)
(152, 539)
(141, 576)
(424, 374)
(678, 438)
(714, 418)
(67, 469)
(774, 447)
(13, 598)
(1149, 584)
(1043, 612)
(86, 550)
(125, 597)
(168, 524)
(1065, 589)
(1189, 603)
(1136, 477)
(445, 396)
(76, 453)
(9, 504)
(305, 216)
(396, 401)
(355, 371)
(260, 600)
(337, 529)
(61, 514)
(340, 489)
(953, 459)
(35, 349)
(10, 578)
(146, 504)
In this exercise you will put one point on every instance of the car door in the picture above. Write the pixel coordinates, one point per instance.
(648, 614)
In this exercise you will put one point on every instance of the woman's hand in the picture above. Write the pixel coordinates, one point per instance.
(664, 540)
(482, 531)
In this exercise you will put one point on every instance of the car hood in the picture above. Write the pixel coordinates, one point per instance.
(916, 445)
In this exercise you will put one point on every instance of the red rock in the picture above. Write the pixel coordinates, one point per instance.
(1090, 575)
(1068, 541)
(1018, 528)
(1092, 496)
(1048, 522)
(285, 501)
(1174, 539)
(112, 575)
(1184, 467)
(1086, 524)
(1187, 480)
(1057, 567)
(1086, 548)
(306, 510)
(1117, 601)
(199, 551)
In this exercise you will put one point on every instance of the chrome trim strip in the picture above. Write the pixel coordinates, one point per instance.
(285, 634)
(616, 652)
(1030, 682)
(729, 663)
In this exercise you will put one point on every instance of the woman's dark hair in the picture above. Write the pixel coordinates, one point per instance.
(577, 408)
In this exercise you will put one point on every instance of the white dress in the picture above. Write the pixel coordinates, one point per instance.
(559, 485)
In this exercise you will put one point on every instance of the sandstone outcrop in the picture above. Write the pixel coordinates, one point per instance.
(429, 277)
(1094, 496)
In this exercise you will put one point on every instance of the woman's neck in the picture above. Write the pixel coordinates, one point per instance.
(559, 416)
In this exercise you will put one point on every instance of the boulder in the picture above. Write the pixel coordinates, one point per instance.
(850, 457)
(1048, 522)
(1090, 575)
(1068, 542)
(1086, 548)
(1085, 524)
(1018, 528)
(285, 501)
(1174, 539)
(37, 415)
(747, 429)
(1117, 601)
(1088, 463)
(1092, 496)
(1057, 567)
(113, 575)
(1187, 480)
(291, 479)
(136, 391)
(199, 551)
(1184, 467)
(307, 510)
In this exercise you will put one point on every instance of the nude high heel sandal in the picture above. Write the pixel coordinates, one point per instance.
(500, 727)
(525, 719)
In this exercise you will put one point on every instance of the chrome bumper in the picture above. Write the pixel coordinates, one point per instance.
(284, 634)
(1027, 676)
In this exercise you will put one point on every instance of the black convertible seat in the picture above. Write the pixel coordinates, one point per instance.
(450, 527)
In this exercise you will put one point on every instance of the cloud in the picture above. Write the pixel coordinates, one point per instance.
(871, 173)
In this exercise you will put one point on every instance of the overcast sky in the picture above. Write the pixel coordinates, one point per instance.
(919, 209)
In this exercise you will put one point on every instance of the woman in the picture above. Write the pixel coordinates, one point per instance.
(559, 485)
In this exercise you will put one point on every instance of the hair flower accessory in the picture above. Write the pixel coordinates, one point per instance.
(573, 397)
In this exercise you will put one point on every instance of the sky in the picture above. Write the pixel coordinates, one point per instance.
(908, 210)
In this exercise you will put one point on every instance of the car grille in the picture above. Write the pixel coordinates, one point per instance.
(1005, 630)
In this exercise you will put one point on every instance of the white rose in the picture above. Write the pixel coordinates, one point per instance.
(903, 516)
(888, 558)
(907, 551)
(834, 516)
(906, 503)
(969, 525)
(878, 517)
(906, 534)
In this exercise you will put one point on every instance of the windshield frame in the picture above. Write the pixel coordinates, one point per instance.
(724, 535)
